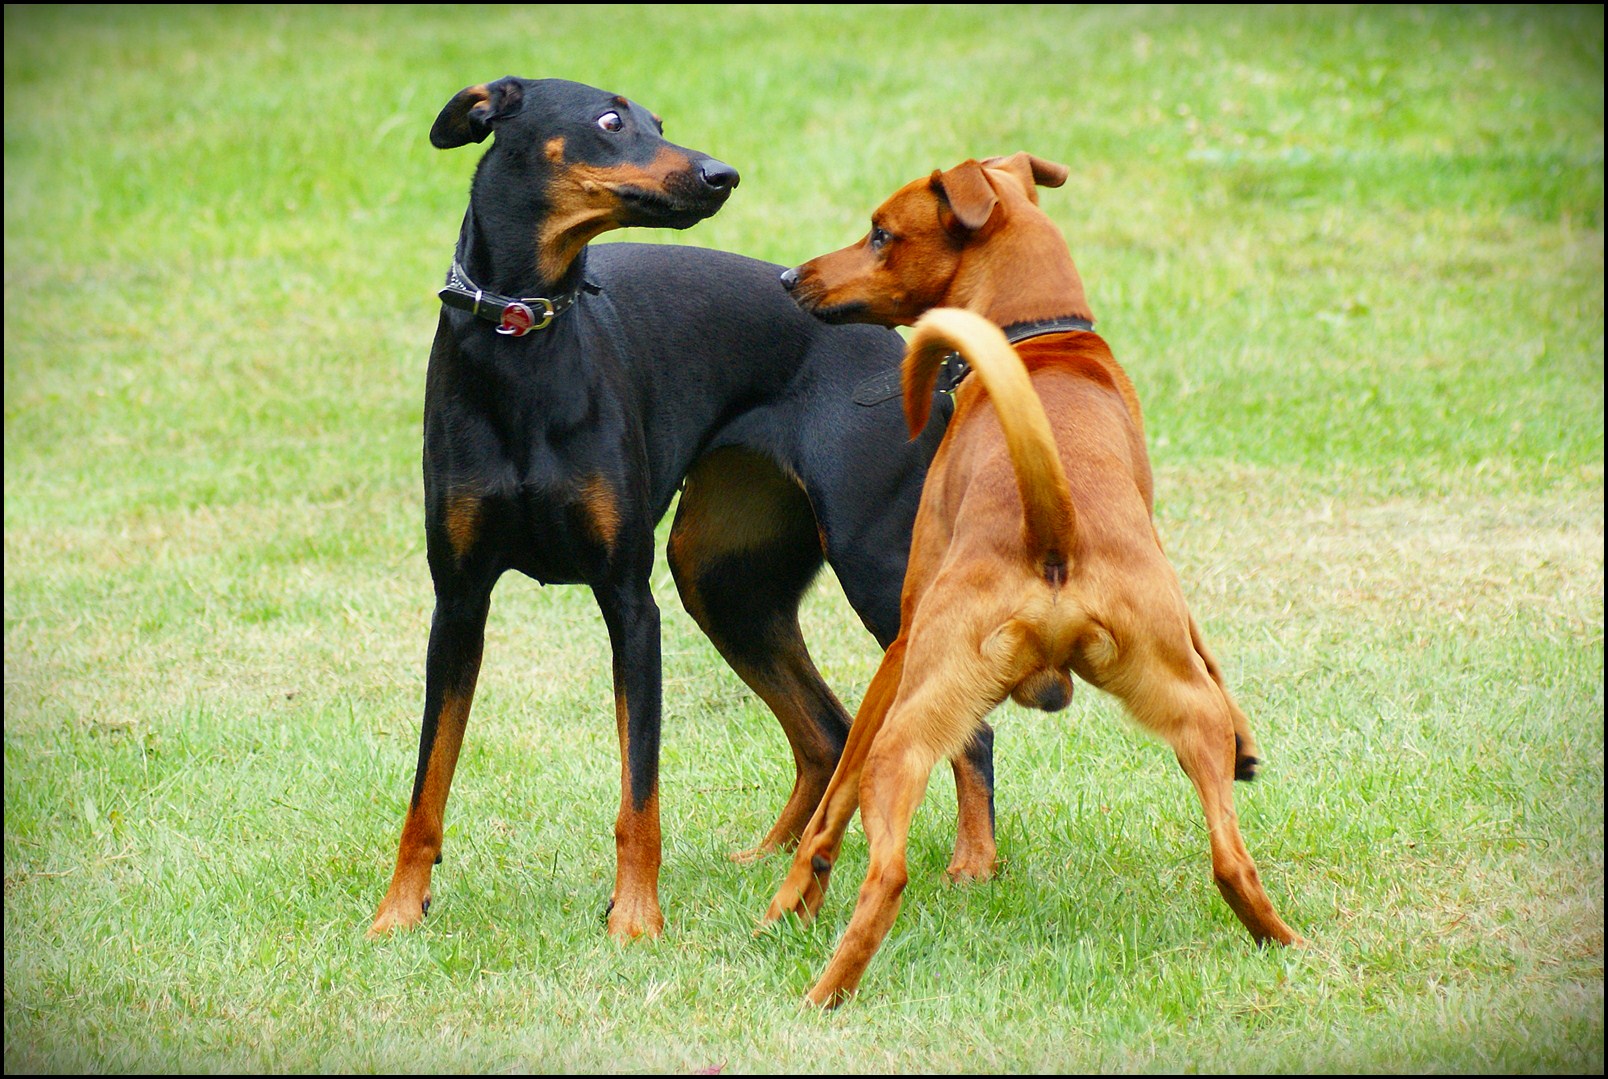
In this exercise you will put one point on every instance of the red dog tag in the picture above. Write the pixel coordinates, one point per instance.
(517, 320)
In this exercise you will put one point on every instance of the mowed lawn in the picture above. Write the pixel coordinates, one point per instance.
(1353, 260)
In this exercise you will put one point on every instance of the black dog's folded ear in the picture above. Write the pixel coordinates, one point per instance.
(470, 114)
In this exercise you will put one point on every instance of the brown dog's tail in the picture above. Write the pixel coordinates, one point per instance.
(1049, 519)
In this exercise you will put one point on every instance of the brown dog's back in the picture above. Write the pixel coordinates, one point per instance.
(1050, 522)
(1074, 375)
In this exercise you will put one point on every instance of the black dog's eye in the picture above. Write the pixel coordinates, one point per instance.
(610, 121)
(879, 238)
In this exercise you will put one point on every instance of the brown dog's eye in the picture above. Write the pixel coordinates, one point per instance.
(610, 121)
(879, 238)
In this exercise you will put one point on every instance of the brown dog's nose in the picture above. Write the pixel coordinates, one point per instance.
(718, 175)
(790, 279)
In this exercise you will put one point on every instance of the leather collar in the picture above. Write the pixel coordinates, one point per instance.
(515, 317)
(881, 387)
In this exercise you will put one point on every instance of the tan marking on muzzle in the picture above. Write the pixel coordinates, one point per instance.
(584, 203)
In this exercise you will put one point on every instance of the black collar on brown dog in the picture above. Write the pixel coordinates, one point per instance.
(514, 317)
(1021, 331)
(881, 387)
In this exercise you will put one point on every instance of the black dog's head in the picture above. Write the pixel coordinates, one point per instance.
(579, 161)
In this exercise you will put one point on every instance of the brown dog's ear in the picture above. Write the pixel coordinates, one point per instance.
(472, 111)
(966, 194)
(1030, 170)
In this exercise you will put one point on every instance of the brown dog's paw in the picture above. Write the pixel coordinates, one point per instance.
(972, 868)
(628, 920)
(825, 998)
(395, 913)
(754, 854)
(800, 895)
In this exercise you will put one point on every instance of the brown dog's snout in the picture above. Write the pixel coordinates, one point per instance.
(790, 279)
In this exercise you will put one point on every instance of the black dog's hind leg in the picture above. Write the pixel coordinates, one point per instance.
(744, 548)
(457, 638)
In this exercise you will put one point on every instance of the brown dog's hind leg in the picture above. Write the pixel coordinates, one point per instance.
(1247, 758)
(1169, 690)
(1206, 752)
(1161, 671)
(805, 887)
(946, 690)
(891, 788)
(743, 549)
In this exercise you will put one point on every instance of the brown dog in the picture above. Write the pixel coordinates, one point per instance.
(1034, 552)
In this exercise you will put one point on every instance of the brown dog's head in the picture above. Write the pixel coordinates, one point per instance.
(911, 259)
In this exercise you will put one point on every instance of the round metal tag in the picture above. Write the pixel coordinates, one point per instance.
(517, 320)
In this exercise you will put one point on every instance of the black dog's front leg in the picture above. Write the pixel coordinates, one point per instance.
(632, 618)
(457, 637)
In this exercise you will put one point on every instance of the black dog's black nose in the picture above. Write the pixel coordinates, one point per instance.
(790, 279)
(718, 175)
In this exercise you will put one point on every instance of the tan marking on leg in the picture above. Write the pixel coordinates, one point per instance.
(602, 510)
(634, 906)
(409, 893)
(716, 514)
(463, 517)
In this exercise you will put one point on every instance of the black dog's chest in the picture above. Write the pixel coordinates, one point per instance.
(558, 527)
(526, 480)
(554, 510)
(549, 539)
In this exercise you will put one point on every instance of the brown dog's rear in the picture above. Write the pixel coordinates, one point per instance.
(1049, 436)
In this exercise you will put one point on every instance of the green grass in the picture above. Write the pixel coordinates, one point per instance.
(1353, 259)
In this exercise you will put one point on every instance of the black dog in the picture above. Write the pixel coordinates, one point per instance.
(572, 391)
